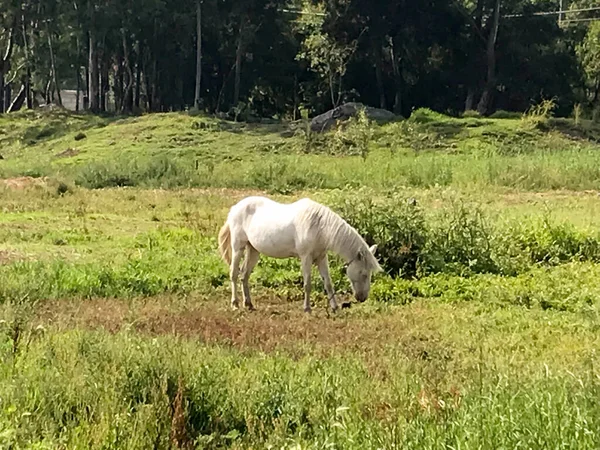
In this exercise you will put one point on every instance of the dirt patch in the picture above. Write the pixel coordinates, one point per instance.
(67, 153)
(23, 182)
(275, 325)
(9, 256)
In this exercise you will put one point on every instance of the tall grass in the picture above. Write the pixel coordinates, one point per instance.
(574, 170)
(93, 390)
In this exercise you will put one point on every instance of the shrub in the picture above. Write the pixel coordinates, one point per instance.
(502, 114)
(460, 240)
(397, 226)
(537, 116)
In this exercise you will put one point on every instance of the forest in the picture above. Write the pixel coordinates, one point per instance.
(263, 58)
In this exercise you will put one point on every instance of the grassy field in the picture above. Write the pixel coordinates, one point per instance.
(115, 330)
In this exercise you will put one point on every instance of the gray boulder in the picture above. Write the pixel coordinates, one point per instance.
(326, 121)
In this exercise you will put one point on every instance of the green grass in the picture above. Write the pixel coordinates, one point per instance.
(501, 380)
(181, 150)
(115, 330)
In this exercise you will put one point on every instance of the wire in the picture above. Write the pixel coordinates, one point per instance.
(305, 13)
(591, 19)
(507, 16)
(553, 13)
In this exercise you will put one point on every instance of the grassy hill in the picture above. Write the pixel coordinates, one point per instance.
(183, 150)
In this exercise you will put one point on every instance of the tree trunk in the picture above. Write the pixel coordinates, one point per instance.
(118, 90)
(7, 96)
(331, 80)
(222, 90)
(127, 106)
(19, 100)
(197, 95)
(473, 74)
(105, 84)
(138, 78)
(27, 78)
(148, 91)
(296, 113)
(5, 66)
(470, 101)
(379, 74)
(156, 103)
(28, 93)
(485, 103)
(53, 65)
(93, 81)
(2, 109)
(77, 75)
(49, 94)
(238, 64)
(78, 93)
(397, 80)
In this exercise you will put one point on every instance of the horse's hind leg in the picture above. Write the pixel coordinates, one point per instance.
(324, 271)
(250, 262)
(234, 272)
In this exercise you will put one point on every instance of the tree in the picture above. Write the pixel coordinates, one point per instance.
(485, 103)
(9, 25)
(589, 54)
(197, 94)
(326, 56)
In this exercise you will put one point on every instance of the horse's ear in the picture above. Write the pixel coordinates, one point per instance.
(373, 249)
(360, 256)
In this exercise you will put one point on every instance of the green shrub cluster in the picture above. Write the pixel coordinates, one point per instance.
(460, 239)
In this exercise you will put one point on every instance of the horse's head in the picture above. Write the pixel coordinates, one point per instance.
(359, 272)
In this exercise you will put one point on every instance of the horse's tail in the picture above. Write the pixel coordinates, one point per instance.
(225, 243)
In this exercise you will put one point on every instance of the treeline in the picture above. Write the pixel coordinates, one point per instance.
(272, 58)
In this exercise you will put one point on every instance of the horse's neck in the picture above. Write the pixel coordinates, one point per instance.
(345, 241)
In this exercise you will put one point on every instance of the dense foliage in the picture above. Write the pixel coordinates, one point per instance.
(266, 58)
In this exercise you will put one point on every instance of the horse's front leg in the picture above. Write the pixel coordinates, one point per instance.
(306, 274)
(324, 271)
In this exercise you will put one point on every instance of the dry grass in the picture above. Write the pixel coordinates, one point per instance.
(421, 331)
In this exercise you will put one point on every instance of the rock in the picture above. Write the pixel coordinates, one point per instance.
(343, 112)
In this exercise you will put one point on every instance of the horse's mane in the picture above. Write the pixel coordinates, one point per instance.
(338, 234)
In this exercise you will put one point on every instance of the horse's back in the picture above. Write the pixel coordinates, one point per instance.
(248, 206)
(273, 228)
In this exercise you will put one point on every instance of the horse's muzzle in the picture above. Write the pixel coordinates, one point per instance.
(360, 298)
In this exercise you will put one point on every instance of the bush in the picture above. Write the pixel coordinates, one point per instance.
(350, 138)
(460, 240)
(537, 116)
(397, 226)
(156, 172)
(502, 114)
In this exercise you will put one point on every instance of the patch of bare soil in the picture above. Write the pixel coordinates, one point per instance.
(8, 256)
(23, 182)
(275, 325)
(67, 153)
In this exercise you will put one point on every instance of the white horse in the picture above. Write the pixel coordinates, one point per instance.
(304, 229)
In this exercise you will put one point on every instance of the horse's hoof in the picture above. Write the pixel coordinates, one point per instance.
(307, 310)
(235, 306)
(250, 307)
(346, 305)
